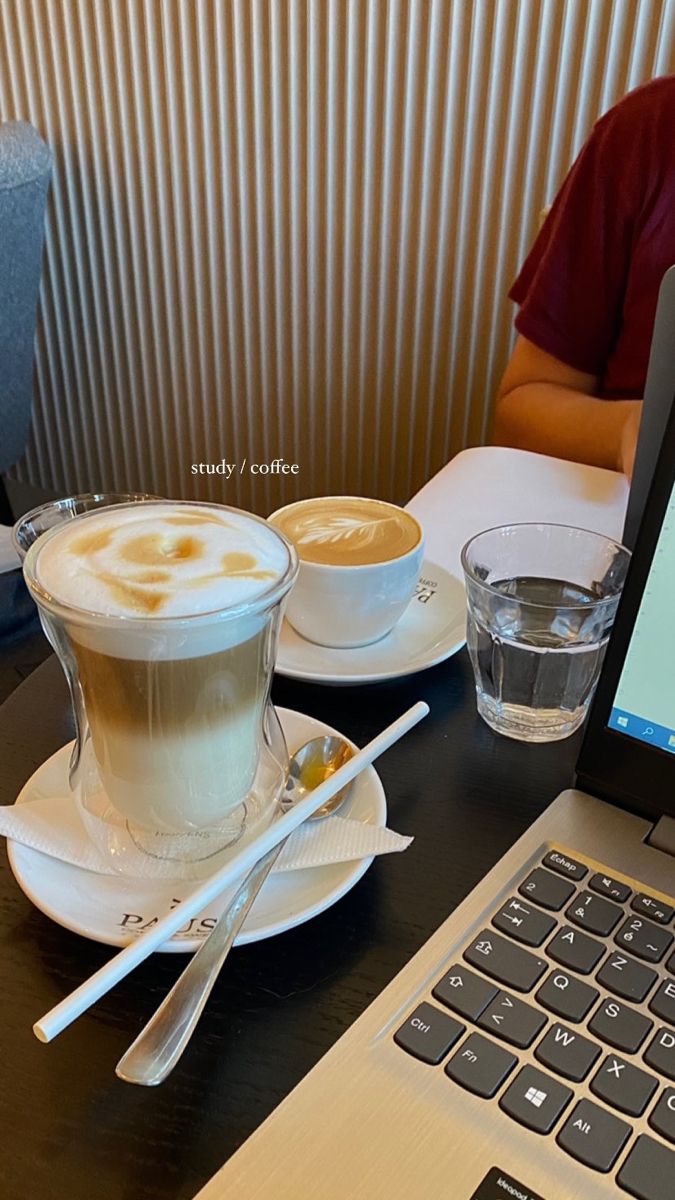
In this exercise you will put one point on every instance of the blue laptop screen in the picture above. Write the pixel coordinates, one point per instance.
(644, 705)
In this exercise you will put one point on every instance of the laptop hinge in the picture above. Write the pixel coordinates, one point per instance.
(662, 836)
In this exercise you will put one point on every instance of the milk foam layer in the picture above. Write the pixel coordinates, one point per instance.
(160, 560)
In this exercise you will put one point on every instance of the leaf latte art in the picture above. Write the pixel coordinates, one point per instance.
(348, 530)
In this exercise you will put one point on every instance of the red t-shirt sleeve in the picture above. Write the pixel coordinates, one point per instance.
(572, 284)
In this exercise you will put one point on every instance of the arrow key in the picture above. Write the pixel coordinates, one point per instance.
(513, 1020)
(464, 992)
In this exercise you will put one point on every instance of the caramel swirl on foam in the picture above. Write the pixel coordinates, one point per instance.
(160, 560)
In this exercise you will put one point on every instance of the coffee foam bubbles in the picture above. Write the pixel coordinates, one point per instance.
(157, 560)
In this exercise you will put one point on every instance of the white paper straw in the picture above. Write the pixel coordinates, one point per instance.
(68, 1009)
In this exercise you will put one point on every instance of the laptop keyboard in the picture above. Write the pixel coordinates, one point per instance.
(577, 969)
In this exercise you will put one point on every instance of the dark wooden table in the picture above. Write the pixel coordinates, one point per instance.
(69, 1130)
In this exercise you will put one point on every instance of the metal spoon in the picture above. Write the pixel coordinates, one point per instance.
(161, 1042)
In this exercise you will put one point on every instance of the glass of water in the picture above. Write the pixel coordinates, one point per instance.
(541, 602)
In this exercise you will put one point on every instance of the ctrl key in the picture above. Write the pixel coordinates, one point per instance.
(428, 1034)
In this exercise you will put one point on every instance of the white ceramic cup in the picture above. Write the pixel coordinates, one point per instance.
(349, 605)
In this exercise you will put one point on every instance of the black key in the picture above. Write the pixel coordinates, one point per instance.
(480, 1066)
(644, 939)
(535, 1100)
(593, 1136)
(624, 1086)
(605, 885)
(575, 950)
(649, 1171)
(523, 922)
(546, 889)
(565, 866)
(647, 906)
(465, 992)
(663, 1117)
(505, 962)
(660, 1053)
(594, 913)
(566, 996)
(627, 978)
(513, 1020)
(428, 1033)
(567, 1053)
(620, 1026)
(663, 1003)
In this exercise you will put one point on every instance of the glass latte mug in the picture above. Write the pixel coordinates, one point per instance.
(165, 616)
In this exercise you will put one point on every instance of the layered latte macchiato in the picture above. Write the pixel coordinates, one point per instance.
(163, 606)
(348, 530)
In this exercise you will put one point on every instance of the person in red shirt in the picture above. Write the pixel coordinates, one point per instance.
(588, 290)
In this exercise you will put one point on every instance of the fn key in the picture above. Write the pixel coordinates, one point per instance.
(502, 960)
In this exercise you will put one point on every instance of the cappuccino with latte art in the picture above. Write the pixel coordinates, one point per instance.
(348, 530)
(360, 561)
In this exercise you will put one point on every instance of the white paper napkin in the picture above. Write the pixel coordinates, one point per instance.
(54, 827)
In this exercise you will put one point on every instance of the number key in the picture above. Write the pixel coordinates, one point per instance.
(546, 889)
(594, 913)
(644, 939)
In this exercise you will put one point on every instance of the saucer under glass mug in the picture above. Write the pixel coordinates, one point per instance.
(179, 754)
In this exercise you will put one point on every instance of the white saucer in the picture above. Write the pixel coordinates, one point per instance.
(432, 628)
(96, 905)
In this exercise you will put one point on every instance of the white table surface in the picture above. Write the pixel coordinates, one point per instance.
(493, 485)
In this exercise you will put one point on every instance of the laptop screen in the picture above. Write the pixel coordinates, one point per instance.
(644, 703)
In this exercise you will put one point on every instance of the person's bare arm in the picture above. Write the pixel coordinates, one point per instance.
(547, 406)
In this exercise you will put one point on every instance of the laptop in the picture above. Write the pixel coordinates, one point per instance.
(527, 1051)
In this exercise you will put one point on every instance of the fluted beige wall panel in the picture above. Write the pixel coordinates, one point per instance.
(287, 227)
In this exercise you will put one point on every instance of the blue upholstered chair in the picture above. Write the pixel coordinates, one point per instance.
(25, 168)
